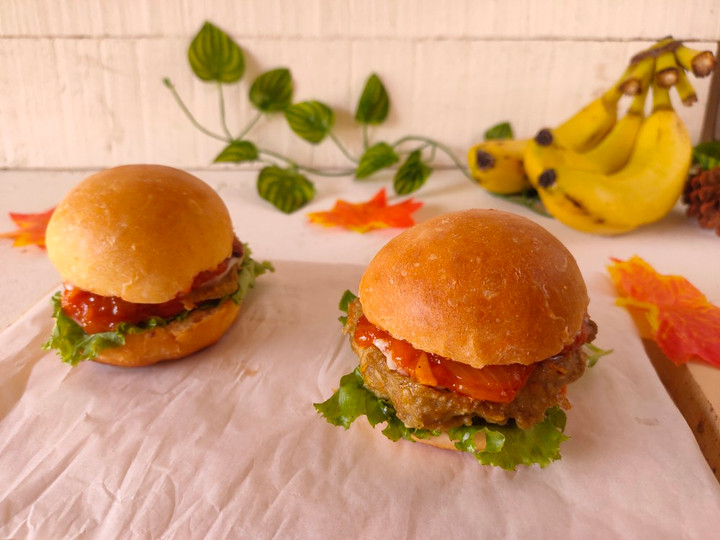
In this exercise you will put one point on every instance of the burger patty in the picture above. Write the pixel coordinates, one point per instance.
(421, 406)
(217, 288)
(224, 286)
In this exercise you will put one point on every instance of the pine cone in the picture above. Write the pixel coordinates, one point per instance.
(702, 197)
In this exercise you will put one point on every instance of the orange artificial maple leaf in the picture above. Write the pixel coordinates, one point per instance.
(684, 324)
(366, 216)
(31, 228)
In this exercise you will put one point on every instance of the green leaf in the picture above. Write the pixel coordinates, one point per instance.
(529, 199)
(237, 152)
(374, 103)
(214, 56)
(505, 446)
(70, 340)
(74, 345)
(500, 131)
(411, 175)
(250, 269)
(593, 353)
(509, 446)
(707, 155)
(286, 189)
(311, 120)
(352, 400)
(375, 158)
(272, 90)
(344, 304)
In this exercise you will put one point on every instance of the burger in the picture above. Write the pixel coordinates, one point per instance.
(468, 329)
(151, 267)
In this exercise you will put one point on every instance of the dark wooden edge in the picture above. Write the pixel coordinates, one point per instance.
(692, 403)
(711, 121)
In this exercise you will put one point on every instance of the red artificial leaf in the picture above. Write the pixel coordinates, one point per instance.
(685, 325)
(31, 228)
(364, 217)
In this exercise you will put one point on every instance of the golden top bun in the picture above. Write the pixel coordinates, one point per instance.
(481, 287)
(201, 328)
(140, 232)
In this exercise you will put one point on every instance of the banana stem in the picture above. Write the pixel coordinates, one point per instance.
(665, 44)
(661, 98)
(638, 103)
(685, 89)
(637, 77)
(701, 63)
(666, 70)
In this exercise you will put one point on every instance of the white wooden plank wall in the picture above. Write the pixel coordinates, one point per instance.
(81, 81)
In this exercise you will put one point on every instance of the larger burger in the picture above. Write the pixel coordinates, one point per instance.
(468, 329)
(152, 269)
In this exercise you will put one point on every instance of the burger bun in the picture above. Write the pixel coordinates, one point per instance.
(139, 232)
(201, 328)
(480, 287)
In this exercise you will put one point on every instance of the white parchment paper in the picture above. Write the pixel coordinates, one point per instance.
(226, 444)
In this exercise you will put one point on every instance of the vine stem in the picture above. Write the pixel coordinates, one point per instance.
(223, 121)
(438, 145)
(192, 119)
(250, 125)
(303, 168)
(342, 148)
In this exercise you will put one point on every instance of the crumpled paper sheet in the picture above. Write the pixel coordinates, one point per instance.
(226, 444)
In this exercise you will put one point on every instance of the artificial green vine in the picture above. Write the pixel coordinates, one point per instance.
(214, 57)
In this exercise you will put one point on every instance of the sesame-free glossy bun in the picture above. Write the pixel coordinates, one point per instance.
(480, 287)
(140, 232)
(201, 328)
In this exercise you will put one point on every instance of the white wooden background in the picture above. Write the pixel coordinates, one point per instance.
(81, 80)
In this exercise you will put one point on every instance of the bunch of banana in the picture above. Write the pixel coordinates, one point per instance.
(603, 175)
(643, 191)
(497, 165)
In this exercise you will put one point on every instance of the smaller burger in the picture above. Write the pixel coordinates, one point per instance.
(152, 270)
(468, 329)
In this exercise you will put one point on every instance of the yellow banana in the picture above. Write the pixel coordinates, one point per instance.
(497, 165)
(590, 124)
(642, 192)
(608, 156)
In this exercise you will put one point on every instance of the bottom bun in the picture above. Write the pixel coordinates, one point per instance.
(443, 441)
(201, 328)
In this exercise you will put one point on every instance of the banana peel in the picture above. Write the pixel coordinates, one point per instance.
(642, 192)
(497, 166)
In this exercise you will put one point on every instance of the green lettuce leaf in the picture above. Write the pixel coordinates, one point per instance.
(593, 353)
(353, 400)
(74, 345)
(505, 446)
(250, 269)
(509, 446)
(347, 297)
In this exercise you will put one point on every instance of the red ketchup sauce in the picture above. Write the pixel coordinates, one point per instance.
(499, 384)
(97, 313)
